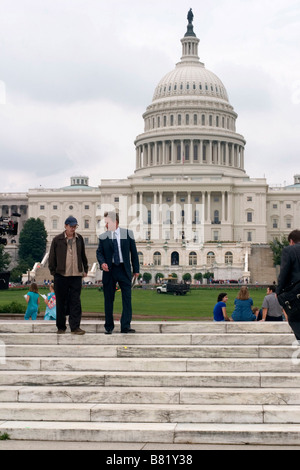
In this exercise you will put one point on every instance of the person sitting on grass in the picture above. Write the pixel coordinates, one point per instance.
(243, 307)
(220, 313)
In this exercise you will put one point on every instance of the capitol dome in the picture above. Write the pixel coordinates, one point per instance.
(190, 120)
(190, 79)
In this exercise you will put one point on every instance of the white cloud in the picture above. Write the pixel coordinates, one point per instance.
(77, 75)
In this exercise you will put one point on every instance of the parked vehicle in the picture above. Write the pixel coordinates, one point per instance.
(172, 287)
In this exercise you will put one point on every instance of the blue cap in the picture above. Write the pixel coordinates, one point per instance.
(71, 221)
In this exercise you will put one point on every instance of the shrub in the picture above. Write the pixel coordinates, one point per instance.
(13, 307)
(147, 277)
(159, 276)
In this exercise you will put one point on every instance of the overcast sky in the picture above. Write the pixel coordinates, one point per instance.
(77, 75)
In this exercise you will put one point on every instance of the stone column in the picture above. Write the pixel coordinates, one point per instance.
(175, 216)
(209, 159)
(209, 207)
(226, 154)
(242, 158)
(223, 217)
(173, 152)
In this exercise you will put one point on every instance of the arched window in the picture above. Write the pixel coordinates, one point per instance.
(211, 258)
(175, 259)
(228, 257)
(193, 259)
(157, 259)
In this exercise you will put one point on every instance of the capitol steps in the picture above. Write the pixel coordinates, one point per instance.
(179, 383)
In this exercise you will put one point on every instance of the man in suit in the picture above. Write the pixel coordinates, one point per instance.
(290, 271)
(116, 255)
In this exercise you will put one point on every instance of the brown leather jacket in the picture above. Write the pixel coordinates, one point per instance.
(58, 255)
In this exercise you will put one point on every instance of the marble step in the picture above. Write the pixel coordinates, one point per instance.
(150, 395)
(238, 434)
(137, 379)
(151, 379)
(88, 431)
(154, 327)
(166, 433)
(150, 413)
(186, 339)
(150, 351)
(151, 364)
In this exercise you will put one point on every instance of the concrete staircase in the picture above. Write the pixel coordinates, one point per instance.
(203, 383)
(261, 265)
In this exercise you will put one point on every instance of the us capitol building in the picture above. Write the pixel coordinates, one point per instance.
(190, 202)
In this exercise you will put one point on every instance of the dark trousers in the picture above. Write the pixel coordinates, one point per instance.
(110, 280)
(67, 292)
(273, 319)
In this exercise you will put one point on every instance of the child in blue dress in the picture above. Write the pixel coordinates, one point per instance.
(50, 301)
(33, 300)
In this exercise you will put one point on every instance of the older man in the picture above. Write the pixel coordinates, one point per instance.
(68, 264)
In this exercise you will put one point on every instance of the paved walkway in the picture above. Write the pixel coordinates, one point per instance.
(111, 446)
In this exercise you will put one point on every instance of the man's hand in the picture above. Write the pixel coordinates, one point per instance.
(104, 266)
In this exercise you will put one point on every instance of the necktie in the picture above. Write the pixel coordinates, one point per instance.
(116, 250)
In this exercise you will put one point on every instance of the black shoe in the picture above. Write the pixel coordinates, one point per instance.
(128, 330)
(108, 332)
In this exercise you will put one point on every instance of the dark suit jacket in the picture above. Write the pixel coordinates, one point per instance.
(128, 246)
(290, 267)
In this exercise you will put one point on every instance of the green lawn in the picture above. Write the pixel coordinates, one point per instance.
(148, 305)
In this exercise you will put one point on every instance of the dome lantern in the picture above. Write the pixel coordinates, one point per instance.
(190, 41)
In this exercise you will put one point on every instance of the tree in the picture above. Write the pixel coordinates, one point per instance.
(159, 276)
(33, 242)
(187, 277)
(4, 259)
(147, 277)
(18, 271)
(209, 275)
(277, 247)
(198, 277)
